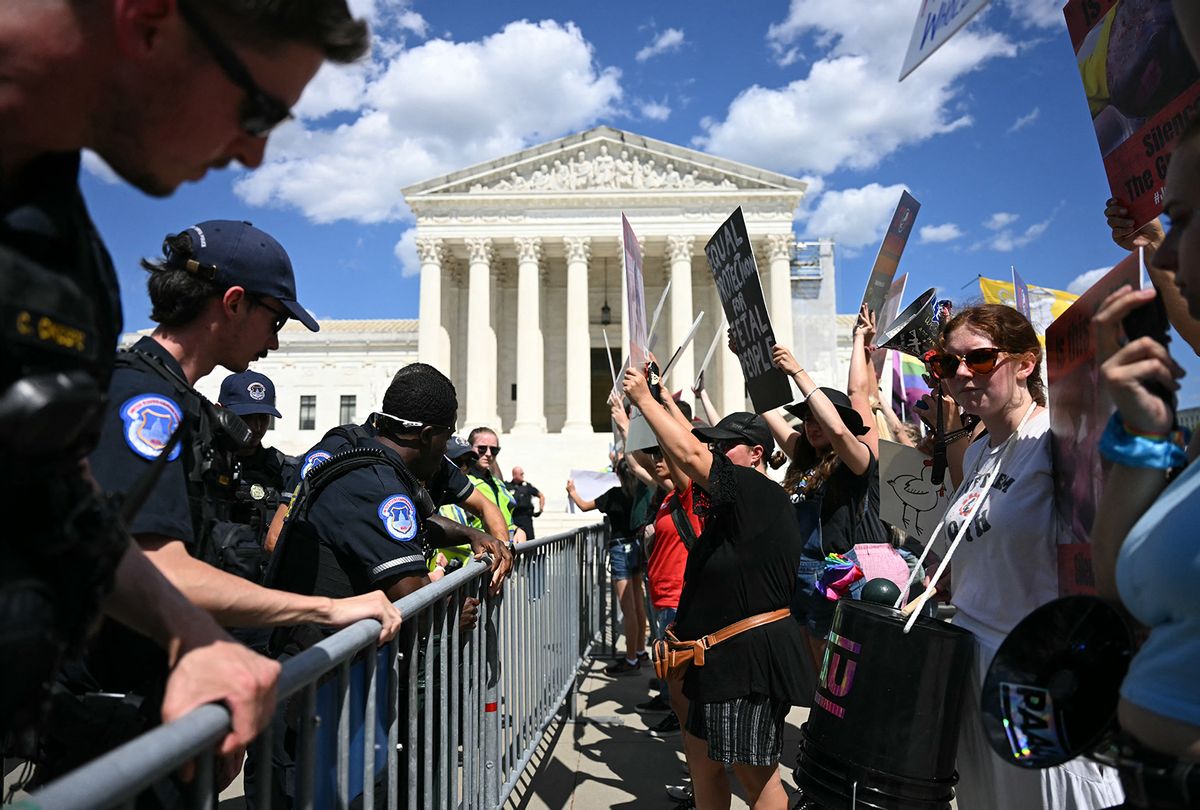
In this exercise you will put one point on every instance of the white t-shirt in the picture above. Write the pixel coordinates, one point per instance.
(1007, 563)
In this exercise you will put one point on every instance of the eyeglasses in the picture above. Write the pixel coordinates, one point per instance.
(484, 449)
(281, 316)
(409, 423)
(261, 112)
(979, 361)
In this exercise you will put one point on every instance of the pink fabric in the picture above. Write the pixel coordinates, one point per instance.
(880, 560)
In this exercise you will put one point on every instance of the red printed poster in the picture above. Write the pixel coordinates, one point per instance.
(1142, 89)
(1078, 416)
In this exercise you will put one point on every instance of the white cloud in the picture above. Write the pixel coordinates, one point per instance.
(1000, 219)
(667, 42)
(1024, 121)
(654, 110)
(946, 232)
(414, 22)
(406, 253)
(855, 217)
(1038, 13)
(849, 111)
(415, 113)
(95, 166)
(1080, 284)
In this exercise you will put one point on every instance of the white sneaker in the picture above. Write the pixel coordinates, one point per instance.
(679, 793)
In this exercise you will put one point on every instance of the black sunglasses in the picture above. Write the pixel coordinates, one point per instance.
(281, 316)
(481, 449)
(261, 112)
(723, 446)
(980, 361)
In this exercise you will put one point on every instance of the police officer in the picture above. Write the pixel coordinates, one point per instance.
(75, 79)
(524, 494)
(262, 473)
(220, 295)
(486, 444)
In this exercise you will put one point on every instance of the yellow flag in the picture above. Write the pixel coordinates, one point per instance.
(1045, 304)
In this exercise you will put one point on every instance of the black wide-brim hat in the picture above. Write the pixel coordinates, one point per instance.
(851, 418)
(739, 426)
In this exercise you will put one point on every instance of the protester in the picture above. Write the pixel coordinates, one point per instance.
(742, 566)
(71, 84)
(1145, 519)
(524, 494)
(989, 359)
(624, 564)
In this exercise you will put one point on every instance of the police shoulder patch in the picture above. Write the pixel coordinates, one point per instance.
(313, 459)
(149, 421)
(399, 517)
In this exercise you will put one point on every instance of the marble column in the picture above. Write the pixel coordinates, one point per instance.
(433, 341)
(579, 359)
(481, 338)
(531, 417)
(679, 252)
(779, 296)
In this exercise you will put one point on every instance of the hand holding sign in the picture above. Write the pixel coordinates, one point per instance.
(1127, 236)
(783, 359)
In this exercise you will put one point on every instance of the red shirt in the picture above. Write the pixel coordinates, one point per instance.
(669, 556)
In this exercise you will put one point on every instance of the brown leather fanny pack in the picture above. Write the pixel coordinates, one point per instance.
(672, 657)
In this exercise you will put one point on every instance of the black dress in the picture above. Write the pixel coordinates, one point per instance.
(743, 564)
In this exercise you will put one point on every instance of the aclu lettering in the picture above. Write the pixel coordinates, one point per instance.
(837, 674)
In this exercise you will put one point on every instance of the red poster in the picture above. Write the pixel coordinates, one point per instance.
(1078, 416)
(1142, 89)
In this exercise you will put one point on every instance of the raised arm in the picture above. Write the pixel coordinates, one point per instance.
(1128, 490)
(862, 386)
(689, 454)
(853, 453)
(678, 477)
(582, 504)
(710, 412)
(785, 435)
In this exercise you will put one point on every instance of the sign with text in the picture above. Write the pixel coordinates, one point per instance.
(884, 318)
(635, 298)
(1142, 89)
(937, 21)
(736, 275)
(1079, 413)
(890, 251)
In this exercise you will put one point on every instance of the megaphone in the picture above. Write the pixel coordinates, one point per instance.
(915, 330)
(1052, 690)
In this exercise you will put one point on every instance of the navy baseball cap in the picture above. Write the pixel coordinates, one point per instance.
(236, 254)
(456, 448)
(247, 393)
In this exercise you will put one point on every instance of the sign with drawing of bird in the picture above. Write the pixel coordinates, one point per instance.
(907, 498)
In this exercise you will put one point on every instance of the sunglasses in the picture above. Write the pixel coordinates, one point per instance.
(414, 425)
(979, 361)
(484, 449)
(281, 316)
(723, 446)
(261, 112)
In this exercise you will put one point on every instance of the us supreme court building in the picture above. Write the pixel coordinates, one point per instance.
(522, 281)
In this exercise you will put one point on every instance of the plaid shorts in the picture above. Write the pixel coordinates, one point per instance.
(747, 729)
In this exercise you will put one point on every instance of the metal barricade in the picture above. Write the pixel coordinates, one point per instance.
(451, 716)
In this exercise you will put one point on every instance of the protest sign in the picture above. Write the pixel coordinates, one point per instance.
(1021, 294)
(635, 297)
(590, 485)
(712, 349)
(888, 259)
(937, 21)
(1045, 304)
(736, 275)
(884, 318)
(1079, 412)
(1142, 89)
(906, 497)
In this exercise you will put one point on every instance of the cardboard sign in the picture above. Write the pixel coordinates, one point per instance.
(1142, 88)
(635, 298)
(937, 21)
(906, 497)
(1079, 413)
(736, 275)
(888, 259)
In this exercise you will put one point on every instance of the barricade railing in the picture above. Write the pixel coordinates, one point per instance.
(452, 715)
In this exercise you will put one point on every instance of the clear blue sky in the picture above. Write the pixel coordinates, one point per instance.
(992, 135)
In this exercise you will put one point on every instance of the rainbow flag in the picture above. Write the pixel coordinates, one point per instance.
(908, 385)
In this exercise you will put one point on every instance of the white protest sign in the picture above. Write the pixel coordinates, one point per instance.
(635, 297)
(937, 22)
(907, 499)
(590, 485)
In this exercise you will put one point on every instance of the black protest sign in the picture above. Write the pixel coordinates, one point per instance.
(736, 275)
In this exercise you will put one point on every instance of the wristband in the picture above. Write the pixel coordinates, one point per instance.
(1120, 446)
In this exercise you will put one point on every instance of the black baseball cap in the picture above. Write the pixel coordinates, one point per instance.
(739, 426)
(236, 254)
(850, 417)
(248, 393)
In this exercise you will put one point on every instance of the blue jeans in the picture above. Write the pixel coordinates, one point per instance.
(624, 559)
(662, 619)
